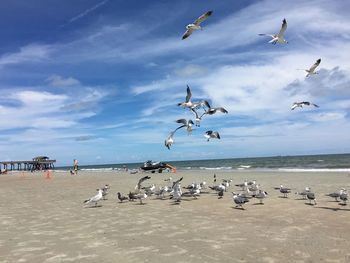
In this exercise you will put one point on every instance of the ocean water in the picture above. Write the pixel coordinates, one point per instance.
(311, 163)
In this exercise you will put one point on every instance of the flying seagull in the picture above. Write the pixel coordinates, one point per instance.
(95, 198)
(196, 24)
(211, 134)
(303, 103)
(311, 70)
(279, 38)
(209, 111)
(187, 103)
(188, 124)
(138, 186)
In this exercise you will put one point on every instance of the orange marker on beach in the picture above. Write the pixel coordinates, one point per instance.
(48, 174)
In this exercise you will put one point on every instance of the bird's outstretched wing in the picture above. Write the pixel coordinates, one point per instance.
(272, 36)
(314, 66)
(176, 182)
(141, 180)
(187, 33)
(202, 18)
(315, 105)
(183, 121)
(189, 94)
(221, 109)
(217, 135)
(294, 106)
(283, 28)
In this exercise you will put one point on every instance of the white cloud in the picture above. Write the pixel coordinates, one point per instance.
(29, 53)
(59, 81)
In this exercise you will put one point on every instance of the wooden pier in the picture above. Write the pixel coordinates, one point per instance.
(37, 163)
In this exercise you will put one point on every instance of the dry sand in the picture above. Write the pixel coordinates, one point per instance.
(44, 220)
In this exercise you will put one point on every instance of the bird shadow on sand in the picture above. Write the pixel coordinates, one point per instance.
(258, 204)
(284, 197)
(238, 208)
(300, 199)
(309, 204)
(333, 208)
(95, 206)
(175, 203)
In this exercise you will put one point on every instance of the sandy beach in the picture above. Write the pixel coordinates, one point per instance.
(44, 220)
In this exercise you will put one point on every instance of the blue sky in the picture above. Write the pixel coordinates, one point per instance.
(99, 80)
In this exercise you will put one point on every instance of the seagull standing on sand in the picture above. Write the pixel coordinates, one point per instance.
(95, 198)
(211, 135)
(311, 70)
(261, 195)
(305, 103)
(336, 195)
(285, 191)
(105, 191)
(141, 196)
(311, 197)
(176, 189)
(239, 200)
(121, 198)
(279, 38)
(343, 196)
(196, 24)
(304, 193)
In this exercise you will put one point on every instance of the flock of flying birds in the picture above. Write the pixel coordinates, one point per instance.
(247, 191)
(194, 107)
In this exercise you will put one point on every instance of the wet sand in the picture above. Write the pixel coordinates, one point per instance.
(44, 220)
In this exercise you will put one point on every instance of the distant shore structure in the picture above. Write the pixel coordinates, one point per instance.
(36, 164)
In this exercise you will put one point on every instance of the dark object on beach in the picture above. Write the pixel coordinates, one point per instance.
(132, 196)
(214, 178)
(155, 166)
(220, 193)
(122, 198)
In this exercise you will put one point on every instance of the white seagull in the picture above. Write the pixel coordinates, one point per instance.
(95, 198)
(239, 200)
(279, 38)
(285, 191)
(261, 195)
(211, 134)
(187, 124)
(176, 190)
(196, 24)
(311, 71)
(303, 103)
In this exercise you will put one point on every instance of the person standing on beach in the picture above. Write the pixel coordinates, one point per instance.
(75, 166)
